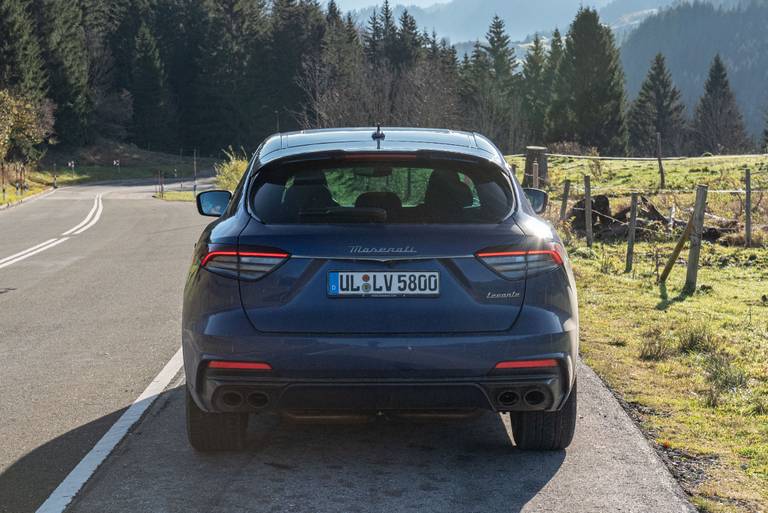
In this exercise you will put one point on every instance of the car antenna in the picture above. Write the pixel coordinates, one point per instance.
(378, 136)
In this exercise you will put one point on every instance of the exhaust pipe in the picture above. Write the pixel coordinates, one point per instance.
(534, 397)
(232, 399)
(508, 398)
(258, 399)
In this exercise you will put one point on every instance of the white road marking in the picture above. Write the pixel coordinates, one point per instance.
(91, 219)
(40, 249)
(20, 253)
(66, 491)
(87, 218)
(96, 217)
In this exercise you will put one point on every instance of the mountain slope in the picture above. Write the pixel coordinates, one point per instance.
(690, 36)
(467, 20)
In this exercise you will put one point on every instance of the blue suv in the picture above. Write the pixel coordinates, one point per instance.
(379, 271)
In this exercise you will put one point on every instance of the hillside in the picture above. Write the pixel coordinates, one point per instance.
(467, 20)
(689, 36)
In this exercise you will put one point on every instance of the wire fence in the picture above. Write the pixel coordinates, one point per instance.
(735, 213)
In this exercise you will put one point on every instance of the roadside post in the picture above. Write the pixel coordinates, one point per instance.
(564, 204)
(748, 209)
(194, 173)
(535, 175)
(538, 155)
(662, 177)
(695, 251)
(631, 233)
(55, 176)
(588, 210)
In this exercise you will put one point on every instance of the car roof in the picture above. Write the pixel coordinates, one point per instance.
(361, 139)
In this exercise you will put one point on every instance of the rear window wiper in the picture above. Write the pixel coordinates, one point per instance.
(343, 215)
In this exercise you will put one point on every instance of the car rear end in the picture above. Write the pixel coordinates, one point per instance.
(359, 281)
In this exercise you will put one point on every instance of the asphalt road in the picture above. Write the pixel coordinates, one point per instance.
(88, 320)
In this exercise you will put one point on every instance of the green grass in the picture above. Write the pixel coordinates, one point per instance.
(94, 164)
(177, 196)
(627, 176)
(694, 366)
(618, 178)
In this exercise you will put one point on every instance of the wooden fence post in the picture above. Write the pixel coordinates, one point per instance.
(564, 204)
(588, 210)
(695, 251)
(676, 252)
(748, 209)
(662, 178)
(631, 233)
(536, 154)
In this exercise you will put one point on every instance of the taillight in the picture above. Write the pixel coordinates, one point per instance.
(226, 364)
(527, 364)
(248, 265)
(517, 265)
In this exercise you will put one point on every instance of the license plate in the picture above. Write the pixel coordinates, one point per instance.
(383, 284)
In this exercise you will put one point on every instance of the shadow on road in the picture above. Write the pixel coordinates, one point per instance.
(468, 465)
(31, 479)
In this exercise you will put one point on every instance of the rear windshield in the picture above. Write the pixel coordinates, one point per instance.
(396, 192)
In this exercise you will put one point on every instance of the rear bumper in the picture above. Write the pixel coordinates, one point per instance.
(377, 373)
(518, 390)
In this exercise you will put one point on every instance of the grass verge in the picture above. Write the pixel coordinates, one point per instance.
(691, 369)
(95, 164)
(176, 196)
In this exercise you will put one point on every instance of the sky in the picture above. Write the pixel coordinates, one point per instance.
(348, 5)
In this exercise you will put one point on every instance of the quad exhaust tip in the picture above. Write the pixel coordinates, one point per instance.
(232, 399)
(508, 398)
(534, 397)
(258, 399)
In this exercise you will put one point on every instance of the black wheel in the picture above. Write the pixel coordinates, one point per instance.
(208, 432)
(544, 430)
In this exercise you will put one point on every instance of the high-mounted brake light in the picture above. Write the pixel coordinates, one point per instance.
(365, 157)
(527, 364)
(517, 265)
(224, 364)
(249, 265)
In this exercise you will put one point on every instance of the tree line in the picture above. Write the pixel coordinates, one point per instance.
(210, 74)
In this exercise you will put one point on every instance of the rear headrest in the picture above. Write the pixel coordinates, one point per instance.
(445, 189)
(388, 201)
(306, 178)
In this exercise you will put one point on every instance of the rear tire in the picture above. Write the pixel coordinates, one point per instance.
(545, 430)
(210, 432)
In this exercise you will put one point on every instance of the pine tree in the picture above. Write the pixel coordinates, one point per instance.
(588, 103)
(297, 30)
(553, 60)
(22, 69)
(408, 40)
(657, 109)
(373, 40)
(151, 105)
(353, 35)
(388, 33)
(718, 126)
(488, 87)
(63, 38)
(535, 93)
(500, 50)
(332, 13)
